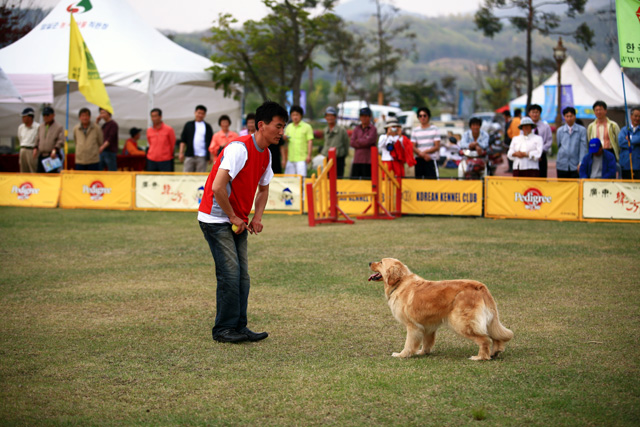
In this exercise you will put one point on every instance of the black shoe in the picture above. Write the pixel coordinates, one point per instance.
(253, 336)
(230, 335)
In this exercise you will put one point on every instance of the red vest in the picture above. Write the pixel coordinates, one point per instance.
(243, 187)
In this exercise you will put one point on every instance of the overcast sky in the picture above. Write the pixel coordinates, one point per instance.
(194, 15)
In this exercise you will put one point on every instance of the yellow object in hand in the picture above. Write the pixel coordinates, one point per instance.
(234, 228)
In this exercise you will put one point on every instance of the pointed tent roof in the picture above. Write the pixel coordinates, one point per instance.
(612, 74)
(584, 93)
(594, 76)
(127, 51)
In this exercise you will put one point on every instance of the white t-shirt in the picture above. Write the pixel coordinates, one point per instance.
(382, 146)
(234, 159)
(426, 138)
(199, 145)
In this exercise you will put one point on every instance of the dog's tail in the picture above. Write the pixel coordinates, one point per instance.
(496, 330)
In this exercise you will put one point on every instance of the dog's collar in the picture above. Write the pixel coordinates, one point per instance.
(392, 291)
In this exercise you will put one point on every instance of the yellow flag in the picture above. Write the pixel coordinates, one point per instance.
(83, 69)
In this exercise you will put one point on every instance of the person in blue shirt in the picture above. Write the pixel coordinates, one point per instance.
(572, 145)
(630, 135)
(599, 163)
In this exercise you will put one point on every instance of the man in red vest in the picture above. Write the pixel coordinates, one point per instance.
(243, 167)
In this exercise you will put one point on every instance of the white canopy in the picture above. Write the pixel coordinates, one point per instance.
(613, 76)
(584, 93)
(141, 68)
(594, 76)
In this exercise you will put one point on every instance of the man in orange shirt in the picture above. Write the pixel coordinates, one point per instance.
(162, 143)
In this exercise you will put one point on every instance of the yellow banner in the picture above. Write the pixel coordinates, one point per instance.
(91, 190)
(29, 190)
(443, 197)
(611, 200)
(354, 205)
(532, 198)
(285, 194)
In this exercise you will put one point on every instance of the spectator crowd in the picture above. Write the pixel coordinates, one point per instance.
(600, 150)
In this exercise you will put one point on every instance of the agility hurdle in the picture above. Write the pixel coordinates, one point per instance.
(322, 194)
(386, 190)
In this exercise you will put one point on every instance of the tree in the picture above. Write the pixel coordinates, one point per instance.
(350, 60)
(528, 16)
(448, 92)
(417, 94)
(387, 31)
(270, 55)
(17, 18)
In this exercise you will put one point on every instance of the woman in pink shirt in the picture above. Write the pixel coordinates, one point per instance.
(222, 137)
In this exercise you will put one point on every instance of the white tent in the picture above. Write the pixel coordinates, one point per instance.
(584, 93)
(141, 68)
(594, 76)
(612, 74)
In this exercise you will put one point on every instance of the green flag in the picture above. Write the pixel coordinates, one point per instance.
(628, 17)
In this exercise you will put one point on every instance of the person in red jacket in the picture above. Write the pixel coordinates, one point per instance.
(242, 167)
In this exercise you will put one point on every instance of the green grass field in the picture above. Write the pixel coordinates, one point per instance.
(106, 319)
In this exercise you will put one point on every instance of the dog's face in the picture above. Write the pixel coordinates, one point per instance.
(389, 269)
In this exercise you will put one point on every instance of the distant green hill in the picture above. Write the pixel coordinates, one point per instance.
(452, 45)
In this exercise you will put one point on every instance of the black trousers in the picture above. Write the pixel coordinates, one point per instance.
(568, 174)
(542, 165)
(426, 169)
(360, 170)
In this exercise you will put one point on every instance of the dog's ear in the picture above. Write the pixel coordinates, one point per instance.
(394, 274)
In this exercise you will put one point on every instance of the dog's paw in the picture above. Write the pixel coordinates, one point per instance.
(479, 358)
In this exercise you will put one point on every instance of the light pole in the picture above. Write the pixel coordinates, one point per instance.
(559, 54)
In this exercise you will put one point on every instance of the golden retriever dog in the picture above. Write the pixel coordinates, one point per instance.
(466, 306)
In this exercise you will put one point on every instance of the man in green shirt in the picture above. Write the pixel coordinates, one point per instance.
(335, 137)
(299, 137)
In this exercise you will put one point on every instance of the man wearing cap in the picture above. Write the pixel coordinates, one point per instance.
(525, 150)
(572, 145)
(194, 142)
(426, 145)
(599, 163)
(363, 138)
(109, 148)
(50, 142)
(335, 137)
(544, 131)
(28, 135)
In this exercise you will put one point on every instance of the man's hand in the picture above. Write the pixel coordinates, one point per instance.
(181, 157)
(53, 154)
(237, 222)
(426, 156)
(255, 226)
(35, 153)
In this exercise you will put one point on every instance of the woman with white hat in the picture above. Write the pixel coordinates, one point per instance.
(525, 150)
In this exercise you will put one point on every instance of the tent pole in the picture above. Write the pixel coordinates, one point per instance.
(626, 120)
(66, 128)
(150, 99)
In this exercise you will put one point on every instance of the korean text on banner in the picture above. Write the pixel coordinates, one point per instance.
(285, 194)
(532, 199)
(169, 192)
(27, 190)
(611, 200)
(445, 197)
(628, 17)
(90, 190)
(83, 69)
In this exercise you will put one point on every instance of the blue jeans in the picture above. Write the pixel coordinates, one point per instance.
(108, 159)
(229, 252)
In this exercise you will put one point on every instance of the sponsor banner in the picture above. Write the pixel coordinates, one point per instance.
(94, 190)
(532, 198)
(184, 192)
(285, 194)
(169, 191)
(29, 190)
(611, 200)
(354, 205)
(443, 197)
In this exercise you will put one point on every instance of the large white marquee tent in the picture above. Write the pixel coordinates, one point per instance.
(140, 67)
(584, 92)
(613, 75)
